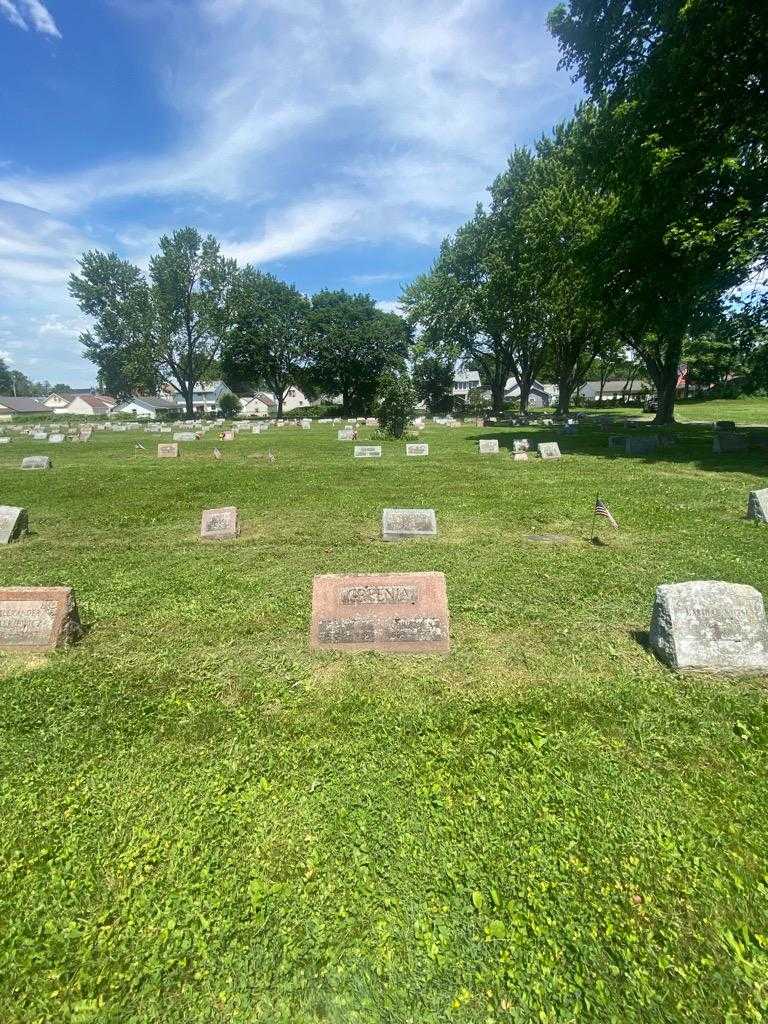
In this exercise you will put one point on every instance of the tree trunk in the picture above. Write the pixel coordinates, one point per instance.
(565, 390)
(279, 405)
(665, 390)
(497, 396)
(525, 395)
(663, 369)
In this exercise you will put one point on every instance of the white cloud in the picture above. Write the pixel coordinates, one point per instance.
(37, 14)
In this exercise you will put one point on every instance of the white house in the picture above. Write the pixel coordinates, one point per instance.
(58, 399)
(86, 405)
(613, 390)
(465, 381)
(540, 395)
(205, 397)
(144, 407)
(259, 404)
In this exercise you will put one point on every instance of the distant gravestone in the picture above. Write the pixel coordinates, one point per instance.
(641, 444)
(185, 435)
(489, 447)
(417, 449)
(220, 524)
(521, 445)
(168, 451)
(393, 612)
(724, 444)
(757, 506)
(725, 424)
(710, 626)
(39, 435)
(37, 619)
(549, 450)
(618, 441)
(306, 424)
(569, 428)
(367, 451)
(55, 438)
(13, 523)
(228, 435)
(347, 434)
(37, 462)
(520, 456)
(5, 440)
(402, 523)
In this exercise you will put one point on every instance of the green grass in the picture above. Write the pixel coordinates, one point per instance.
(203, 822)
(744, 411)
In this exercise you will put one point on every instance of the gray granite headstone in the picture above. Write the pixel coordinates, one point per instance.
(39, 435)
(37, 462)
(489, 447)
(417, 449)
(185, 435)
(220, 523)
(617, 441)
(347, 434)
(710, 626)
(5, 440)
(521, 445)
(757, 507)
(367, 451)
(402, 523)
(55, 438)
(13, 523)
(724, 443)
(168, 451)
(549, 450)
(641, 444)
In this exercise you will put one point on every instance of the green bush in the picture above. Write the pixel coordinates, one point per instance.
(396, 403)
(229, 405)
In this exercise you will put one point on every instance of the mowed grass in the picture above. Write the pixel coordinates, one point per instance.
(203, 822)
(743, 411)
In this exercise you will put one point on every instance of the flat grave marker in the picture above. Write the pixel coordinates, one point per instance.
(347, 434)
(404, 523)
(367, 451)
(220, 523)
(489, 447)
(168, 451)
(520, 456)
(35, 620)
(185, 435)
(396, 613)
(37, 462)
(55, 438)
(641, 445)
(14, 523)
(417, 449)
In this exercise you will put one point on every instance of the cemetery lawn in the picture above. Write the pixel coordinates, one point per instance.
(203, 822)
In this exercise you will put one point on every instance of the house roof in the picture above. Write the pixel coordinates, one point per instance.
(97, 402)
(265, 397)
(150, 402)
(22, 404)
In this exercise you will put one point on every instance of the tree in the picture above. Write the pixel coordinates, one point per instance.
(270, 333)
(170, 329)
(6, 379)
(396, 402)
(433, 382)
(677, 135)
(352, 344)
(229, 405)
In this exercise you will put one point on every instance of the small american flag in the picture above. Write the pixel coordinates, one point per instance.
(140, 448)
(601, 509)
(216, 453)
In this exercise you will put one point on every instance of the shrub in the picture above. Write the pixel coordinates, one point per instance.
(229, 405)
(396, 402)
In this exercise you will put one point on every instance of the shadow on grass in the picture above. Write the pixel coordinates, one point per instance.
(692, 444)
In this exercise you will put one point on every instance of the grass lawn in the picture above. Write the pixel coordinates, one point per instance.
(744, 411)
(202, 822)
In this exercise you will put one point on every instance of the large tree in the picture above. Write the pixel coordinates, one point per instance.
(169, 329)
(433, 379)
(678, 134)
(352, 344)
(269, 339)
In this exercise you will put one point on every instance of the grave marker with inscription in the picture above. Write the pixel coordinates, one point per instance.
(393, 612)
(489, 447)
(641, 444)
(220, 523)
(14, 523)
(347, 434)
(724, 443)
(417, 449)
(55, 438)
(549, 450)
(367, 451)
(168, 451)
(521, 445)
(34, 620)
(402, 523)
(5, 440)
(185, 435)
(710, 626)
(37, 462)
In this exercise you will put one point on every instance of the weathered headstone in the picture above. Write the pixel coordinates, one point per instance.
(37, 462)
(520, 456)
(39, 435)
(37, 619)
(347, 434)
(168, 451)
(185, 435)
(725, 443)
(417, 449)
(757, 506)
(402, 523)
(13, 523)
(549, 450)
(393, 612)
(228, 435)
(489, 447)
(5, 440)
(55, 438)
(617, 441)
(220, 523)
(306, 424)
(641, 444)
(710, 626)
(522, 444)
(367, 451)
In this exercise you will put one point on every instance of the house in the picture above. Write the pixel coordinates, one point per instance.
(539, 397)
(613, 390)
(12, 404)
(58, 399)
(294, 399)
(205, 397)
(86, 405)
(259, 404)
(145, 407)
(465, 381)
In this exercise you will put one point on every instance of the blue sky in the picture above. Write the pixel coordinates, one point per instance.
(331, 142)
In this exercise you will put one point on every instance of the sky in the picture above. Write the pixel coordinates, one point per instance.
(333, 143)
